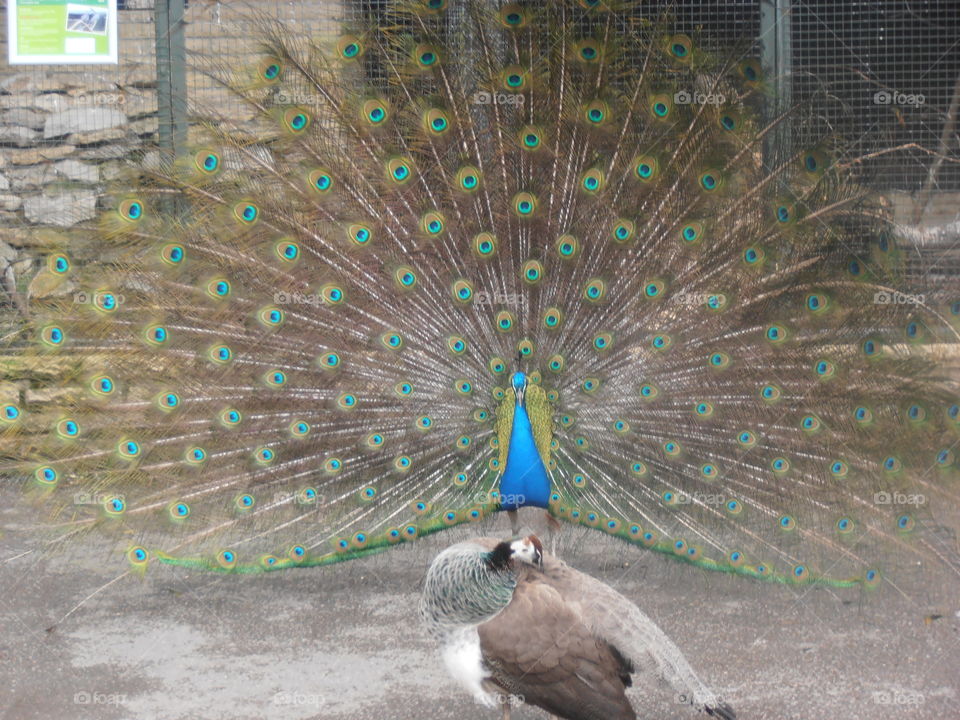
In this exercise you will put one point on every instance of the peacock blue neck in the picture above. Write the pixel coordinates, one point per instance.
(525, 481)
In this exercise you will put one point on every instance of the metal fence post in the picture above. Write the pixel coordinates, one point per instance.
(776, 57)
(171, 77)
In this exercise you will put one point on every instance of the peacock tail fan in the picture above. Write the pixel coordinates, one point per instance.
(331, 326)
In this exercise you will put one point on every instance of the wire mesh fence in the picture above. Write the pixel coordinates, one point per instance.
(892, 70)
(882, 74)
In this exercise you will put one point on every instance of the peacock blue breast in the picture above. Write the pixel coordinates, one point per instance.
(525, 480)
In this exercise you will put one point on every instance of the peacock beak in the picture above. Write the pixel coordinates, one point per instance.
(519, 384)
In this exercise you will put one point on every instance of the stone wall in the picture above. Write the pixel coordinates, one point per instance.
(66, 131)
(63, 132)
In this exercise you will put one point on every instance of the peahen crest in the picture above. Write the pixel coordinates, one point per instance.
(523, 264)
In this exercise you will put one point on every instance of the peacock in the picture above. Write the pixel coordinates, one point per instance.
(478, 257)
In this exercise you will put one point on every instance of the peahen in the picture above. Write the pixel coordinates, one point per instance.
(522, 266)
(517, 625)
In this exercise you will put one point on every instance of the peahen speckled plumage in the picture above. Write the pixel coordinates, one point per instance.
(518, 271)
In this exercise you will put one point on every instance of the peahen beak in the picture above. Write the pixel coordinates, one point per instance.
(537, 551)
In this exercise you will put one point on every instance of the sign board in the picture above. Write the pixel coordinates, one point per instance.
(54, 32)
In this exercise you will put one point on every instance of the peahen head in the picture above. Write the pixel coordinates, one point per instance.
(528, 549)
(519, 382)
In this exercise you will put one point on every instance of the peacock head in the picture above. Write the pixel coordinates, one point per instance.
(528, 550)
(519, 382)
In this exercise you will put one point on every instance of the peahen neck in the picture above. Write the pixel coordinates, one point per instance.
(499, 558)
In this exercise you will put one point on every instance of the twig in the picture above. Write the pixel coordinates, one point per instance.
(905, 146)
(949, 125)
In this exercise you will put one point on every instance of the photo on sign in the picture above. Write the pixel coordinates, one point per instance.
(86, 18)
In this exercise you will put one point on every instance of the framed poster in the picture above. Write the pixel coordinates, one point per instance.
(62, 31)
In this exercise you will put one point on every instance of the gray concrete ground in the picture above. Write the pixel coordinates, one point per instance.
(343, 643)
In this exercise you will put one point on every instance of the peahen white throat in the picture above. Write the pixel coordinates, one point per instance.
(515, 272)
